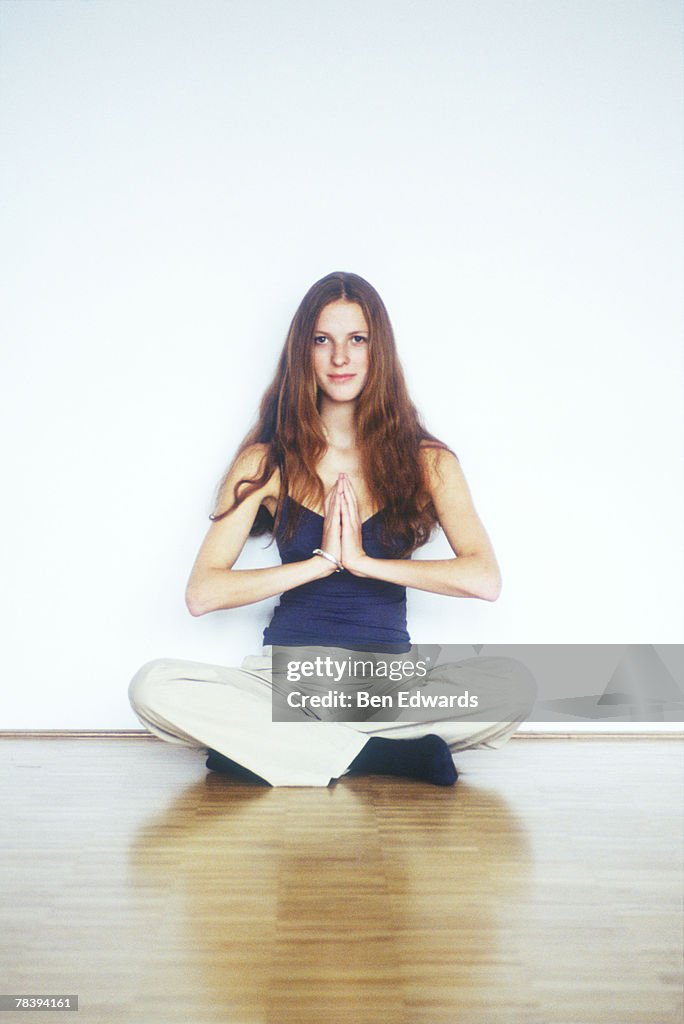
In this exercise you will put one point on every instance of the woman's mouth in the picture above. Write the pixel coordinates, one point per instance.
(340, 378)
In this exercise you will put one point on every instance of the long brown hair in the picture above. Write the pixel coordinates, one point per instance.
(389, 430)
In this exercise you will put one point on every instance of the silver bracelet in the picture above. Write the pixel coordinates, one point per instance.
(331, 558)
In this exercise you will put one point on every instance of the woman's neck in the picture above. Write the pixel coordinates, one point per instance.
(339, 424)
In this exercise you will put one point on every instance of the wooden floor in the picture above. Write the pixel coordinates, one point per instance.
(544, 888)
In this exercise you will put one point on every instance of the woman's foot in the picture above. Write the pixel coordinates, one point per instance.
(428, 758)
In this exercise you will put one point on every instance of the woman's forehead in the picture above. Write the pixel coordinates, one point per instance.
(343, 316)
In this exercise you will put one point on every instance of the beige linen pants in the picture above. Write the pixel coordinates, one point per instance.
(230, 710)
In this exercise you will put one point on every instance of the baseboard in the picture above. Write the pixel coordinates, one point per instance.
(597, 736)
(49, 734)
(142, 734)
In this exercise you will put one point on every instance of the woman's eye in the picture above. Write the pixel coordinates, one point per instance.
(359, 338)
(320, 339)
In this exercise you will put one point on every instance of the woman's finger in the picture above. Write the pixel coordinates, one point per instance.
(348, 521)
(351, 510)
(351, 498)
(333, 495)
(332, 520)
(350, 491)
(332, 524)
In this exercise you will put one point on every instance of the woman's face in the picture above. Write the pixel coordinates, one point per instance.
(340, 355)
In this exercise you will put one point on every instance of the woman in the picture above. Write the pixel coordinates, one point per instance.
(341, 471)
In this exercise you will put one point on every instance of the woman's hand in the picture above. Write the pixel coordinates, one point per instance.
(332, 524)
(353, 555)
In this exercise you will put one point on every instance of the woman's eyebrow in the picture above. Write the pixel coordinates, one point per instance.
(350, 335)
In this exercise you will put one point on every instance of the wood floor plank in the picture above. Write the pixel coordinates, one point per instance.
(544, 888)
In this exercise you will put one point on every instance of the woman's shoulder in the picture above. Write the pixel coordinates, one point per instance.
(251, 459)
(442, 472)
(436, 457)
(249, 464)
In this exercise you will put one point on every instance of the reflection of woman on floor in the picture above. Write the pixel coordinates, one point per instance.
(320, 924)
(341, 470)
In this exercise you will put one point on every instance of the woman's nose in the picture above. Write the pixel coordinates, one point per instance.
(340, 355)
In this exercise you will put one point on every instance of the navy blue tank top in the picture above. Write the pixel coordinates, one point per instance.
(340, 610)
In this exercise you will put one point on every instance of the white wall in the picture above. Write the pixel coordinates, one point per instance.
(176, 174)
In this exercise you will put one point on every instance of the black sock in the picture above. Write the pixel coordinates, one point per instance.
(220, 763)
(428, 758)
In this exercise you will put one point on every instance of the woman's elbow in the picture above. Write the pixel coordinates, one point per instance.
(492, 592)
(196, 599)
(211, 592)
(193, 603)
(491, 584)
(484, 582)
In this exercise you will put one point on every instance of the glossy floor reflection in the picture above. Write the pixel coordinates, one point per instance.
(544, 888)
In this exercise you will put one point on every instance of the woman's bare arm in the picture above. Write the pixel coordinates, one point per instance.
(473, 572)
(213, 583)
